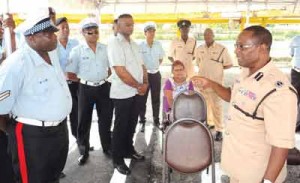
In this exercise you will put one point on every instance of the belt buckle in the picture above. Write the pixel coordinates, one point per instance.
(97, 84)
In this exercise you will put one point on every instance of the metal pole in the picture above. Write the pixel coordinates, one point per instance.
(7, 32)
(248, 13)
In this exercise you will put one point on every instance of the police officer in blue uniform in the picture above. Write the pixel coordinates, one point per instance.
(34, 103)
(89, 64)
(64, 47)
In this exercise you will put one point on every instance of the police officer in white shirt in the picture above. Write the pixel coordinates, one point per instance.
(34, 103)
(64, 47)
(153, 54)
(129, 81)
(88, 63)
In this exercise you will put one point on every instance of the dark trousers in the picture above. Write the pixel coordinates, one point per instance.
(89, 96)
(6, 171)
(295, 80)
(38, 153)
(126, 115)
(154, 87)
(73, 87)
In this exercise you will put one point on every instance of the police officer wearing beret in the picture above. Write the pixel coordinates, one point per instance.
(183, 48)
(64, 47)
(34, 103)
(88, 63)
(261, 120)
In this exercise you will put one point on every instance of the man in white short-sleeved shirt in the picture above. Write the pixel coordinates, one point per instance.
(128, 82)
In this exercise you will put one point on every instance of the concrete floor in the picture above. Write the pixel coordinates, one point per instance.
(99, 168)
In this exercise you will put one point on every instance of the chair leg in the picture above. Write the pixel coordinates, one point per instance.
(162, 143)
(169, 174)
(164, 173)
(213, 168)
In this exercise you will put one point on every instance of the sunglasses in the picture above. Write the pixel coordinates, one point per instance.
(91, 33)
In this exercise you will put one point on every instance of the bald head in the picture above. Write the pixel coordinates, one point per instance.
(209, 37)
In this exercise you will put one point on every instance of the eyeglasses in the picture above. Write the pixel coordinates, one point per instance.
(243, 46)
(91, 33)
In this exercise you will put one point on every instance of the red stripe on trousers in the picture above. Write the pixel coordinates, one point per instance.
(21, 153)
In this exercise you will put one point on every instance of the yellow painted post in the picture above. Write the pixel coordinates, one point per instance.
(242, 24)
(263, 22)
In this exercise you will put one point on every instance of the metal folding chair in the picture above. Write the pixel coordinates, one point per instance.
(188, 145)
(188, 148)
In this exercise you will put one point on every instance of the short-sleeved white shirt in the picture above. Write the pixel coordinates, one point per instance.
(88, 65)
(152, 55)
(36, 89)
(124, 53)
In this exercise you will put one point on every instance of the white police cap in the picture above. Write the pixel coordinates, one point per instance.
(36, 22)
(88, 22)
(149, 25)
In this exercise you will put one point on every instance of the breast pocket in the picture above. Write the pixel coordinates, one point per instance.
(84, 64)
(41, 88)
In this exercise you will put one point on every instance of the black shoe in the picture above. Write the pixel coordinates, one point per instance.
(62, 175)
(136, 156)
(156, 124)
(82, 159)
(122, 168)
(142, 127)
(91, 148)
(107, 152)
(218, 136)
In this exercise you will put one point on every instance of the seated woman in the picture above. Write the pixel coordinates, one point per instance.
(173, 86)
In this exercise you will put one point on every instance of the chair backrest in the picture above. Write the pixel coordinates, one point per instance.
(188, 146)
(189, 106)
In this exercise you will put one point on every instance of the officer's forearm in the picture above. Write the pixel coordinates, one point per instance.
(276, 162)
(72, 76)
(126, 77)
(145, 75)
(223, 92)
(3, 121)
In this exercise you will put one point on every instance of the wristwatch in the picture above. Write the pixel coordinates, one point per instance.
(266, 181)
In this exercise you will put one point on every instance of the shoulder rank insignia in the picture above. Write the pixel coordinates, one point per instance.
(4, 95)
(278, 84)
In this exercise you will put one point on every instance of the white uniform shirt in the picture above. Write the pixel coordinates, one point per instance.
(152, 55)
(295, 51)
(127, 54)
(88, 65)
(64, 52)
(35, 89)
